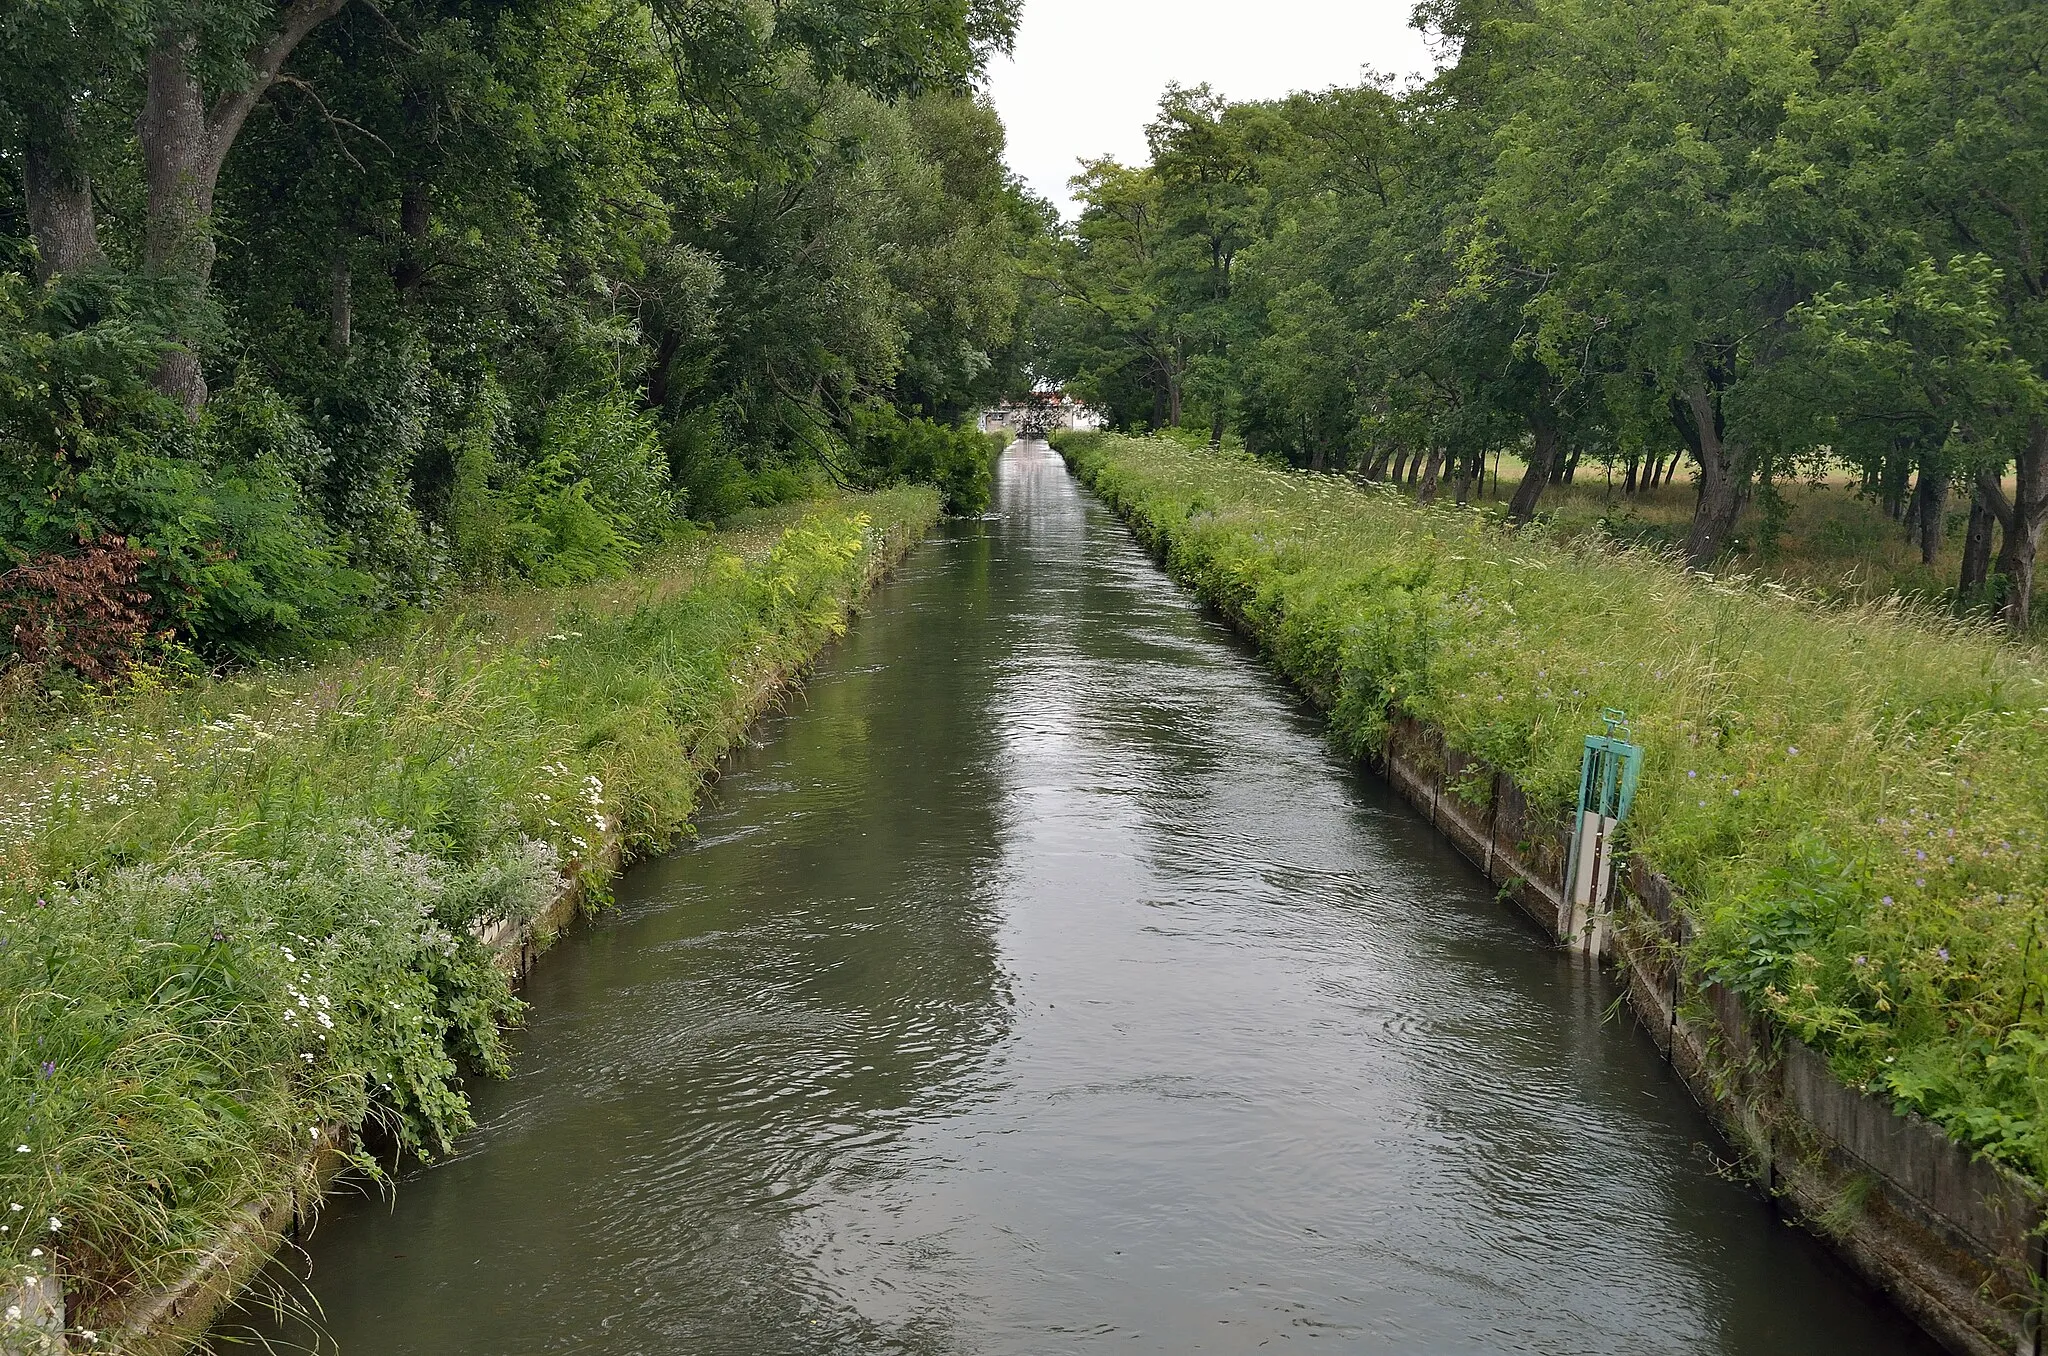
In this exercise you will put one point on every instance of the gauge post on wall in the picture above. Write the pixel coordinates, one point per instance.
(1608, 773)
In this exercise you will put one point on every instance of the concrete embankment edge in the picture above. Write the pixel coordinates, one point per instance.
(1956, 1241)
(172, 1321)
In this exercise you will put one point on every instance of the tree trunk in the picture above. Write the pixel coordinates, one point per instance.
(665, 350)
(1931, 501)
(184, 146)
(340, 305)
(1216, 426)
(1631, 464)
(1724, 477)
(1542, 460)
(1976, 549)
(1471, 466)
(415, 222)
(2029, 515)
(178, 239)
(57, 191)
(1427, 493)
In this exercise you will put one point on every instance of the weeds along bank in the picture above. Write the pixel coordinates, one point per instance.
(1852, 801)
(236, 914)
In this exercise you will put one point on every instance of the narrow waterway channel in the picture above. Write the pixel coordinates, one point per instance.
(1043, 982)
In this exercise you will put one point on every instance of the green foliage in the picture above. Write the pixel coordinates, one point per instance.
(1763, 238)
(1853, 802)
(240, 913)
(503, 292)
(887, 447)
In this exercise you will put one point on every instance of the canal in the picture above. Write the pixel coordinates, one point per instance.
(1043, 982)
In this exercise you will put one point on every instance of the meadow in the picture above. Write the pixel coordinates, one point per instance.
(241, 913)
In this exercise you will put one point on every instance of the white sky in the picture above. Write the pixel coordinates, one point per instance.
(1087, 74)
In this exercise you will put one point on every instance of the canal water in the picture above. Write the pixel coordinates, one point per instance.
(1042, 982)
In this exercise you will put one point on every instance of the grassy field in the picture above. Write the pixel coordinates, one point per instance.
(237, 912)
(1852, 798)
(1831, 540)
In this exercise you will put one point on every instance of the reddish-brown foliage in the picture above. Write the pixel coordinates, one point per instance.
(80, 609)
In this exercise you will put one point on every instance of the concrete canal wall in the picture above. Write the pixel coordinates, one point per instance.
(1956, 1241)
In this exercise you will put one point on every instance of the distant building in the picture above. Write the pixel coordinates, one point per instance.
(1040, 414)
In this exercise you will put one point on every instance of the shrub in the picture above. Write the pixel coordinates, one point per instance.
(888, 448)
(84, 610)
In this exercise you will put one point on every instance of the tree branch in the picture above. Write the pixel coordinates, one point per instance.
(266, 63)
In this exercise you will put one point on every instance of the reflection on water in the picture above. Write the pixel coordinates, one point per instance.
(1043, 983)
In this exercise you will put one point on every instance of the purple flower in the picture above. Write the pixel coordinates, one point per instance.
(1920, 881)
(1886, 901)
(1691, 775)
(1920, 856)
(1942, 952)
(49, 1068)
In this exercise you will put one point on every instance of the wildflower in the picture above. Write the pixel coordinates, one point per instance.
(314, 1131)
(49, 1068)
(1862, 960)
(15, 1206)
(1691, 775)
(1942, 952)
(1920, 856)
(14, 1313)
(21, 1148)
(55, 1224)
(35, 1252)
(1886, 901)
(1920, 881)
(1793, 750)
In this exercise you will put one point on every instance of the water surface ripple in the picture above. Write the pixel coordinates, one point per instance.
(1042, 982)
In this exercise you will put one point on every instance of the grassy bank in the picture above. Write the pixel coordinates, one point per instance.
(1853, 800)
(236, 913)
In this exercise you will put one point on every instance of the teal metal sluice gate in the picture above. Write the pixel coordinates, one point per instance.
(1608, 774)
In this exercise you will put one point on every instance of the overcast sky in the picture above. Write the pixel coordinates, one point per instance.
(1088, 73)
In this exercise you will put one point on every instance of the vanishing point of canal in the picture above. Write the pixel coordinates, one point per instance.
(1043, 982)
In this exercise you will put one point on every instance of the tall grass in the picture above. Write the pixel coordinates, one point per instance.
(235, 914)
(1853, 800)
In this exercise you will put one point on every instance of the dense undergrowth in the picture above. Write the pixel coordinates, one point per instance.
(1852, 800)
(240, 912)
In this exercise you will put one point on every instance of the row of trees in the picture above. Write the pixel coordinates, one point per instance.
(1755, 237)
(309, 308)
